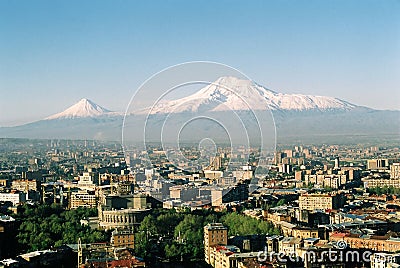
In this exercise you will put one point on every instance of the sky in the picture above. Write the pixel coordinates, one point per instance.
(53, 53)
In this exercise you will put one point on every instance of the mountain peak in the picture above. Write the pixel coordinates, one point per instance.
(232, 93)
(83, 108)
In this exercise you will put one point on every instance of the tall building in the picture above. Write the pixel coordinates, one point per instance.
(215, 163)
(278, 158)
(337, 163)
(215, 234)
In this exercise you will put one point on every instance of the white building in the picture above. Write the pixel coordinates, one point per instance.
(14, 198)
(86, 181)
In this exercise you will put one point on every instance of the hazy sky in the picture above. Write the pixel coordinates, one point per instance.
(53, 53)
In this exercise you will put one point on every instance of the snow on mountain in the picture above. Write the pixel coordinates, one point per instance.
(231, 93)
(83, 108)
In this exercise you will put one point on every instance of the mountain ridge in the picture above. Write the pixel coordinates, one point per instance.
(231, 93)
(316, 119)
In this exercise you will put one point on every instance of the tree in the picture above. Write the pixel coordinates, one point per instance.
(189, 232)
(45, 226)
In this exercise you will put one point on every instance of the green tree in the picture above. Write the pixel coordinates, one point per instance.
(189, 232)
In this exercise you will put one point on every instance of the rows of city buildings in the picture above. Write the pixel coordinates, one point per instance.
(328, 194)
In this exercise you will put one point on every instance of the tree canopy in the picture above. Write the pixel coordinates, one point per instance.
(47, 226)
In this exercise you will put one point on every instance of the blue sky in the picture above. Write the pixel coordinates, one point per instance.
(53, 53)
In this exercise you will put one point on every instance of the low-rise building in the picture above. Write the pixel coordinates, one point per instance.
(321, 201)
(385, 260)
(371, 242)
(86, 199)
(14, 197)
(26, 185)
(123, 238)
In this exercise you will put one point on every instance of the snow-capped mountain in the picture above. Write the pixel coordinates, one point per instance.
(231, 93)
(297, 117)
(81, 109)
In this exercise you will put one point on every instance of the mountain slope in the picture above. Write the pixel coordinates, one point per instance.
(83, 108)
(230, 93)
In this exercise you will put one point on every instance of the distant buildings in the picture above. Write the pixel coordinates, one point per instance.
(380, 181)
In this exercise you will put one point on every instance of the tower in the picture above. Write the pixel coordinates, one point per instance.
(215, 163)
(337, 163)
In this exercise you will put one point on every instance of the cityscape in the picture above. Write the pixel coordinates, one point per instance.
(131, 134)
(84, 203)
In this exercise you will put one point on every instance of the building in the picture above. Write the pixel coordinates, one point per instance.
(14, 197)
(230, 257)
(321, 201)
(123, 238)
(4, 182)
(370, 242)
(86, 181)
(337, 163)
(32, 175)
(285, 168)
(239, 192)
(384, 260)
(8, 231)
(290, 245)
(395, 171)
(278, 157)
(123, 218)
(86, 199)
(124, 211)
(299, 175)
(215, 163)
(213, 174)
(376, 164)
(26, 185)
(304, 232)
(215, 234)
(184, 192)
(374, 183)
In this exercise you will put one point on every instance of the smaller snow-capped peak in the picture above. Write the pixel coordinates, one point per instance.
(83, 108)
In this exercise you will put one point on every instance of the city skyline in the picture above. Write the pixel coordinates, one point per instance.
(54, 54)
